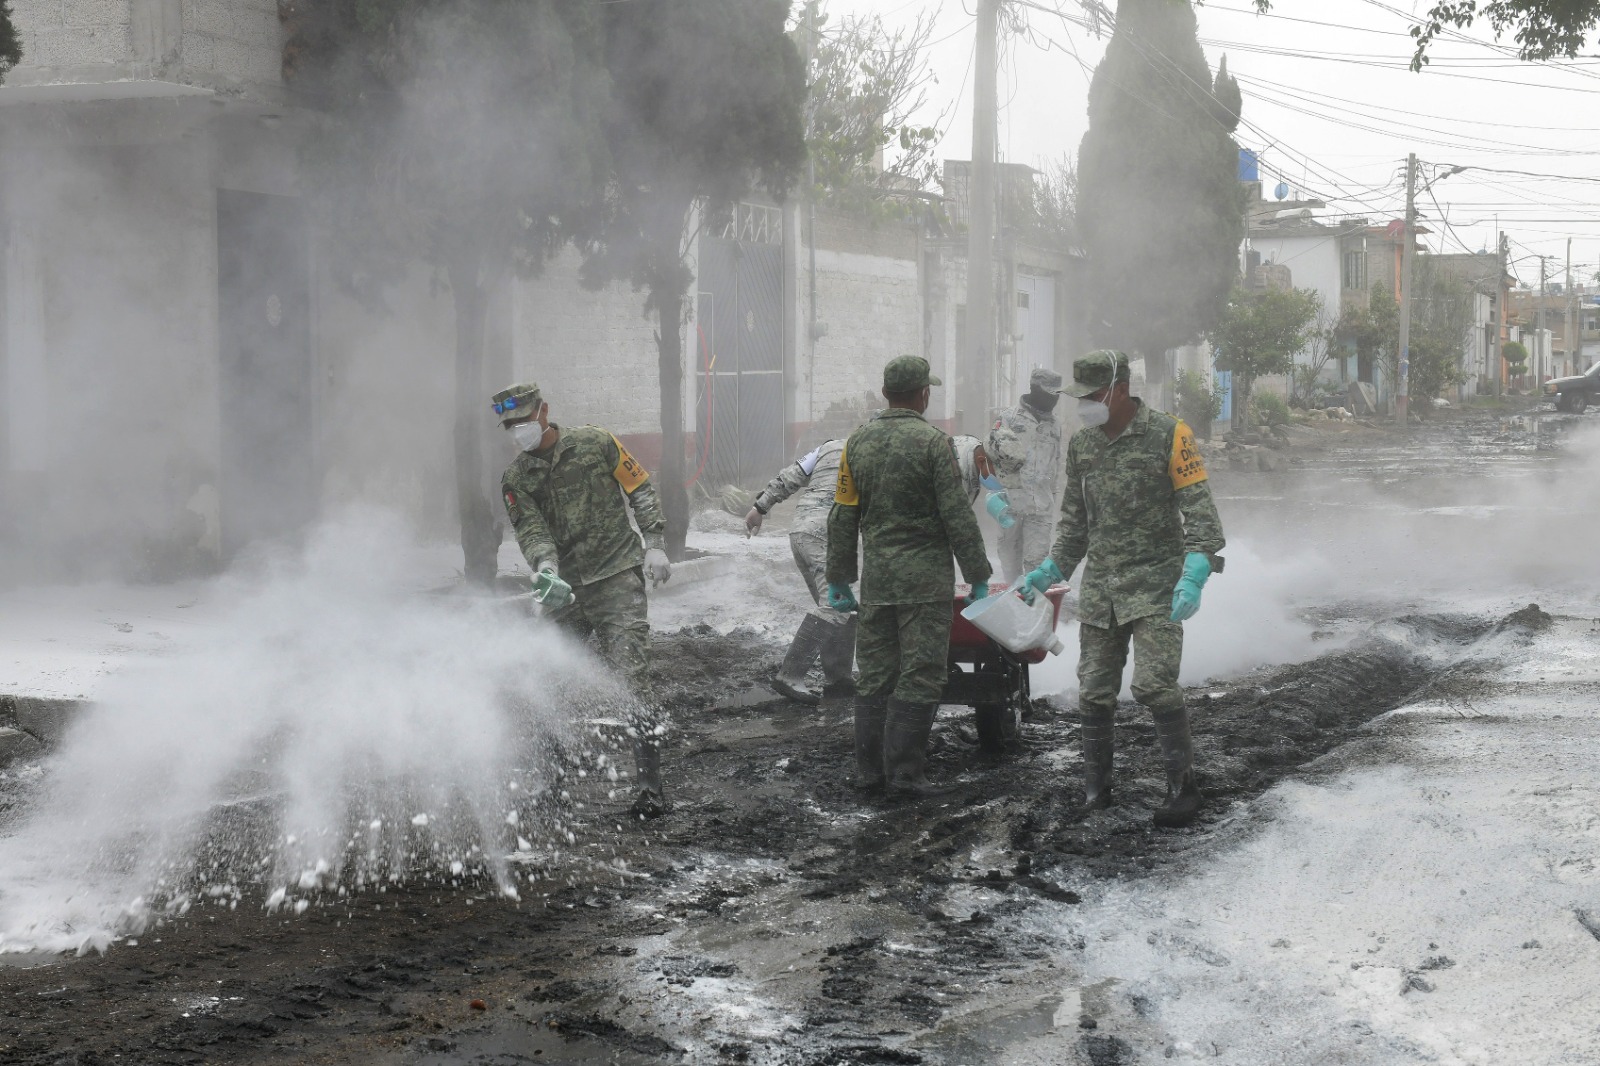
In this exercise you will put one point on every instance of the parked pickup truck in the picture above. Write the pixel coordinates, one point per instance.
(1575, 393)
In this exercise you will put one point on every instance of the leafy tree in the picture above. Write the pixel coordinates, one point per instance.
(466, 133)
(866, 83)
(1198, 401)
(1160, 205)
(1259, 333)
(1441, 317)
(1515, 354)
(10, 43)
(1543, 29)
(1372, 331)
(1318, 352)
(683, 129)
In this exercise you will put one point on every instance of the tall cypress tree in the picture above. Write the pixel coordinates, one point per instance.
(1160, 205)
(10, 43)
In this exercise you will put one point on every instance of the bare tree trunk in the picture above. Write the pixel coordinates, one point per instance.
(670, 484)
(480, 531)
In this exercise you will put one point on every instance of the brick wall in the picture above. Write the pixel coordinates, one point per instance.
(593, 353)
(231, 41)
(72, 34)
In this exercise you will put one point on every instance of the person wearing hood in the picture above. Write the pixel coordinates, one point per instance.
(1025, 447)
(568, 494)
(1137, 512)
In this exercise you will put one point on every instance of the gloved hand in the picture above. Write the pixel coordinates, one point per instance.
(1186, 597)
(999, 509)
(1040, 578)
(980, 590)
(752, 522)
(656, 566)
(549, 589)
(840, 598)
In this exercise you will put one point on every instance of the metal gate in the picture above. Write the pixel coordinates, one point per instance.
(739, 347)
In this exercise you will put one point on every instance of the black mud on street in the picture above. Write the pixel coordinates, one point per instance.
(774, 916)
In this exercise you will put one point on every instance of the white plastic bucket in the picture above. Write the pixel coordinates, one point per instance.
(1014, 624)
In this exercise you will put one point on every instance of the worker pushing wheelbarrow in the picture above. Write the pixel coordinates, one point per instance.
(993, 642)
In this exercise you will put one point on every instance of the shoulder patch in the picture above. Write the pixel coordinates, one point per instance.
(845, 492)
(513, 510)
(1186, 466)
(629, 474)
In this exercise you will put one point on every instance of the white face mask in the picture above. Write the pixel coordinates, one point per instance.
(1093, 412)
(528, 435)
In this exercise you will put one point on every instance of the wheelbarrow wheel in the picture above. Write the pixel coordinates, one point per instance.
(999, 728)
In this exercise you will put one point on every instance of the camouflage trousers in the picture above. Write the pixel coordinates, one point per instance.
(1157, 645)
(614, 614)
(811, 559)
(1025, 545)
(902, 650)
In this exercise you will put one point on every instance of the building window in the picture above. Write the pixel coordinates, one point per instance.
(1022, 299)
(1354, 271)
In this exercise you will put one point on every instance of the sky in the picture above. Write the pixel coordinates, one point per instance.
(1333, 108)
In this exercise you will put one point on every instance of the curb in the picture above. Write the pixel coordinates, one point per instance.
(31, 725)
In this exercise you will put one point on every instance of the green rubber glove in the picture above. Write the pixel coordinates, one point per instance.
(1186, 597)
(1040, 578)
(840, 598)
(980, 590)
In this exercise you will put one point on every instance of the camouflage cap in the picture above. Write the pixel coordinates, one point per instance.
(907, 373)
(1043, 379)
(1096, 371)
(516, 403)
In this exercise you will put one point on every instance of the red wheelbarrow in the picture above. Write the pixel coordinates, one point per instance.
(990, 679)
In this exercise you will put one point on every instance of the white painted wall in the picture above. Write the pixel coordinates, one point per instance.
(1313, 262)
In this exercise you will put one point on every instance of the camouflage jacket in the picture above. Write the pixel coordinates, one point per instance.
(1133, 507)
(813, 477)
(1025, 447)
(900, 493)
(569, 505)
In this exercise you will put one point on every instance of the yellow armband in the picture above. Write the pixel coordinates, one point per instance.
(629, 474)
(845, 492)
(1186, 467)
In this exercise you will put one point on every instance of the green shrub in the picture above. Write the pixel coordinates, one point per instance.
(1198, 403)
(1269, 409)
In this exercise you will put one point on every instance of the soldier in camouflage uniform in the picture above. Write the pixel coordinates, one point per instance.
(568, 494)
(900, 494)
(1025, 446)
(1138, 507)
(823, 633)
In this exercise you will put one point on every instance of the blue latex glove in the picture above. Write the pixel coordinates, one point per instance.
(991, 483)
(999, 509)
(840, 598)
(980, 590)
(1186, 597)
(1040, 578)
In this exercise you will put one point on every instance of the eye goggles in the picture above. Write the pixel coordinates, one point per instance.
(510, 403)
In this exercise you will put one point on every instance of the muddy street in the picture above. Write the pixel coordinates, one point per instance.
(1392, 751)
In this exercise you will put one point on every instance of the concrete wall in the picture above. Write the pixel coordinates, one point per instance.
(1313, 262)
(110, 376)
(592, 352)
(229, 45)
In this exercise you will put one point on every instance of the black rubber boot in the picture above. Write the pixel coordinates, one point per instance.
(870, 715)
(839, 657)
(1184, 799)
(1095, 733)
(905, 749)
(650, 801)
(808, 643)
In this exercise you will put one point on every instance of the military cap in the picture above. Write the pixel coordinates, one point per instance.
(517, 402)
(1043, 379)
(1096, 371)
(907, 373)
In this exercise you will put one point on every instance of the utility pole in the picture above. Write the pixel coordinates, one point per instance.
(1407, 253)
(1538, 326)
(1497, 362)
(975, 370)
(1567, 316)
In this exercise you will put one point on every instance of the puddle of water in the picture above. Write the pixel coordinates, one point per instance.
(26, 960)
(499, 1045)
